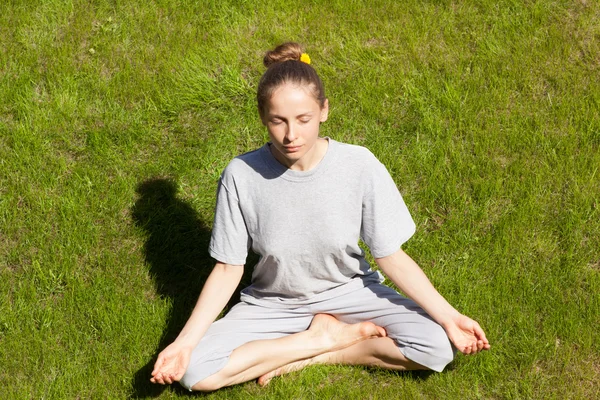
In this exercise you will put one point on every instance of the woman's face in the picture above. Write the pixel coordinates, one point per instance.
(292, 117)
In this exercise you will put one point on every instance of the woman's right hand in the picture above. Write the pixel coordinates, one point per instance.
(173, 361)
(171, 364)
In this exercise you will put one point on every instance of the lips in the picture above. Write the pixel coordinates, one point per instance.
(292, 149)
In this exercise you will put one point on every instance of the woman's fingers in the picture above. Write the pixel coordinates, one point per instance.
(170, 365)
(472, 346)
(157, 379)
(160, 373)
(479, 333)
(484, 345)
(477, 347)
(467, 336)
(157, 365)
(166, 374)
(160, 365)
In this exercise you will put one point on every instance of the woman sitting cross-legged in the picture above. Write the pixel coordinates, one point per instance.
(302, 202)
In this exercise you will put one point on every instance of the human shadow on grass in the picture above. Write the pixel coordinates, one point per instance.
(179, 263)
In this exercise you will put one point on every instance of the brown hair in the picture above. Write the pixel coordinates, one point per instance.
(284, 66)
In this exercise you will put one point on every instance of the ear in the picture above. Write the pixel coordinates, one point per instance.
(324, 111)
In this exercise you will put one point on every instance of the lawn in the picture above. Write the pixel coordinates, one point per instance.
(117, 118)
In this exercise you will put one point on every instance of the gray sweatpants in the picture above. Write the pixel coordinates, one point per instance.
(418, 337)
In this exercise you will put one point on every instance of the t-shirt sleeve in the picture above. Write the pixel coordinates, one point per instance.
(229, 242)
(386, 221)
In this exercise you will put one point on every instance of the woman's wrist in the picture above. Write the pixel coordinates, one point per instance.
(449, 319)
(185, 342)
(190, 338)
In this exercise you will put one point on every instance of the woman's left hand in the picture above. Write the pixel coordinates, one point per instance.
(466, 335)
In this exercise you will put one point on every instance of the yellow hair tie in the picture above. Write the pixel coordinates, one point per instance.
(305, 58)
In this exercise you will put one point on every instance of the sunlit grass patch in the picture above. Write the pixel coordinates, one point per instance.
(116, 120)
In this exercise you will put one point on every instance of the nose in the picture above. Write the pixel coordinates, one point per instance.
(291, 133)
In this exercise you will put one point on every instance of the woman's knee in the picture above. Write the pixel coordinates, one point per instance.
(431, 348)
(439, 343)
(208, 385)
(440, 347)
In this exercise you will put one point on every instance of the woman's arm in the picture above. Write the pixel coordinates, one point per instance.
(217, 290)
(465, 333)
(172, 362)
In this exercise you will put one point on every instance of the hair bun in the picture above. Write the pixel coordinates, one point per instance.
(284, 52)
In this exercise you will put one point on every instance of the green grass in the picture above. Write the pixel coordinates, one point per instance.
(116, 119)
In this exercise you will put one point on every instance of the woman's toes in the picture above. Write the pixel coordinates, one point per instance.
(265, 379)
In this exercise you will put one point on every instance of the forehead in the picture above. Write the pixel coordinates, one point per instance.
(290, 98)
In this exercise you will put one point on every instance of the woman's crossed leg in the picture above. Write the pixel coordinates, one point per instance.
(257, 342)
(257, 358)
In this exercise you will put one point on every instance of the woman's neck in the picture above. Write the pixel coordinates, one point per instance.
(309, 161)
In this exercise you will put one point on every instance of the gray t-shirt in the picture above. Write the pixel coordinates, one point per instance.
(306, 225)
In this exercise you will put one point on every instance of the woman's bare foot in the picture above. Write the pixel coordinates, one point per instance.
(335, 335)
